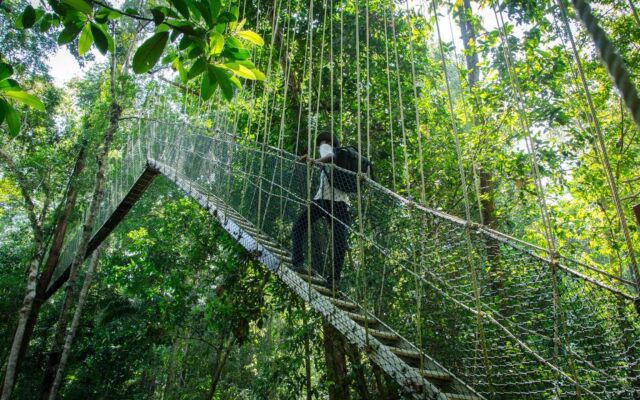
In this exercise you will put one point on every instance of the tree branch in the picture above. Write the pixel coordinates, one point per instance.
(22, 184)
(126, 14)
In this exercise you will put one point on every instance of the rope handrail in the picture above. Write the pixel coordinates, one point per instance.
(503, 237)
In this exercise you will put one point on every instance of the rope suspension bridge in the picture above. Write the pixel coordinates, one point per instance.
(447, 307)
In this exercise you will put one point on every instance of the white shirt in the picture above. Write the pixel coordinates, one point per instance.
(326, 191)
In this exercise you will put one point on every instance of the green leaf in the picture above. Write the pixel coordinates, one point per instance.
(158, 15)
(85, 41)
(224, 80)
(236, 54)
(104, 14)
(174, 35)
(69, 33)
(73, 17)
(185, 42)
(214, 7)
(46, 23)
(194, 52)
(251, 37)
(241, 70)
(149, 53)
(226, 17)
(216, 43)
(104, 41)
(236, 82)
(197, 68)
(195, 10)
(9, 84)
(24, 97)
(5, 71)
(208, 85)
(162, 28)
(3, 111)
(246, 63)
(132, 11)
(259, 75)
(233, 42)
(12, 118)
(182, 72)
(184, 27)
(28, 17)
(182, 7)
(205, 11)
(79, 5)
(168, 58)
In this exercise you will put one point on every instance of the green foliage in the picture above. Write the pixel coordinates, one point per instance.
(10, 90)
(201, 24)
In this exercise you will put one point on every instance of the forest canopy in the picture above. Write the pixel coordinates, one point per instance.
(497, 234)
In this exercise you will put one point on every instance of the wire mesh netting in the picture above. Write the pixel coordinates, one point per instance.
(503, 315)
(502, 318)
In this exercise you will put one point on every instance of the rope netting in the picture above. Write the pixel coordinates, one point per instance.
(509, 318)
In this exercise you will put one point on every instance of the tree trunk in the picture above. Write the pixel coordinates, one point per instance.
(62, 220)
(25, 310)
(358, 369)
(334, 354)
(32, 276)
(223, 355)
(54, 356)
(387, 388)
(487, 182)
(93, 265)
(61, 225)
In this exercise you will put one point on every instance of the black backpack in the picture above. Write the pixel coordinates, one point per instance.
(345, 177)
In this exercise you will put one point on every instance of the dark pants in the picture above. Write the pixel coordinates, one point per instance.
(322, 209)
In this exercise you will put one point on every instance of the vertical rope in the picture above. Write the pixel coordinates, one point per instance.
(550, 238)
(358, 183)
(310, 150)
(611, 181)
(405, 143)
(610, 58)
(467, 206)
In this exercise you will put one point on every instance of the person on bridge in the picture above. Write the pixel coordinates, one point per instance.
(329, 203)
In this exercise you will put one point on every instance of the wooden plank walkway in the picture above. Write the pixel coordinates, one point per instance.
(420, 376)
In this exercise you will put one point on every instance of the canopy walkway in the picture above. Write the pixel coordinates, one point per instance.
(419, 296)
(449, 308)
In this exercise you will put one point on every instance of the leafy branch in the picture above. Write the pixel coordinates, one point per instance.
(198, 38)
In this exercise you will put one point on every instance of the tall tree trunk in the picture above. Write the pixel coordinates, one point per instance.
(61, 223)
(54, 356)
(334, 354)
(93, 265)
(32, 276)
(487, 182)
(25, 310)
(57, 242)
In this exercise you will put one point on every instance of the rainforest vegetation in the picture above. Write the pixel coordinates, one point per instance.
(481, 113)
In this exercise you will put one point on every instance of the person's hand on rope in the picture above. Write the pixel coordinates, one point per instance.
(303, 158)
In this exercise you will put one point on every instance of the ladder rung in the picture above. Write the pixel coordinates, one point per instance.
(275, 249)
(344, 304)
(384, 335)
(361, 318)
(324, 290)
(316, 280)
(406, 353)
(433, 374)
